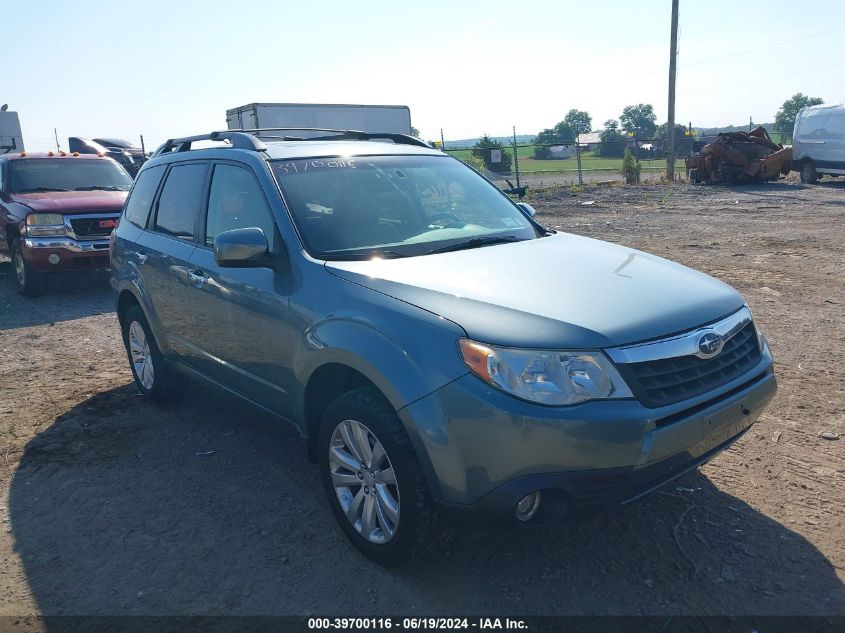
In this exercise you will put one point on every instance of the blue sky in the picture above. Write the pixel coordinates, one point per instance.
(94, 68)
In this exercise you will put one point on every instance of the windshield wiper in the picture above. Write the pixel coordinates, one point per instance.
(382, 254)
(40, 189)
(100, 188)
(475, 242)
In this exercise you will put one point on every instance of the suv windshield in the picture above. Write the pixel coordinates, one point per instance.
(66, 174)
(395, 206)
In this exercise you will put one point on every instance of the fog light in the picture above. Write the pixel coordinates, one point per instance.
(54, 259)
(528, 506)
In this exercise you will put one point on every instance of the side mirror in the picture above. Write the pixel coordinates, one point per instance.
(242, 248)
(527, 208)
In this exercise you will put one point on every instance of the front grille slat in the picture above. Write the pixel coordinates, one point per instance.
(661, 382)
(90, 227)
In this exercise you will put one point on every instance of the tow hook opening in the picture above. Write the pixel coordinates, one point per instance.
(527, 507)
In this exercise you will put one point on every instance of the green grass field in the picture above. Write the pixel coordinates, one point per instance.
(588, 161)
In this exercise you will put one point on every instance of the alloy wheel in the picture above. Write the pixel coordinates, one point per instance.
(139, 351)
(364, 481)
(20, 269)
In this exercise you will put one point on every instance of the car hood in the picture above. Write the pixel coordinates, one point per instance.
(72, 201)
(561, 291)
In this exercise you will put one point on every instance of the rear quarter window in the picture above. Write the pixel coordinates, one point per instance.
(141, 197)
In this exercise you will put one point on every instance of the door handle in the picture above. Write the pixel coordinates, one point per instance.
(198, 278)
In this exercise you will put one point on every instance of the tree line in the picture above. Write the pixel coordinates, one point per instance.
(635, 127)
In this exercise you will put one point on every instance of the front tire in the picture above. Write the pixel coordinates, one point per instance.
(151, 372)
(808, 173)
(372, 478)
(31, 283)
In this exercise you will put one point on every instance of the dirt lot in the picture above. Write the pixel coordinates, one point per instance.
(112, 505)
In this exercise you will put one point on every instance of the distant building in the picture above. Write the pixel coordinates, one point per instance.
(588, 140)
(561, 151)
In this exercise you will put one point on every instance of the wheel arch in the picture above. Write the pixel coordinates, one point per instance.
(130, 292)
(328, 382)
(12, 233)
(125, 300)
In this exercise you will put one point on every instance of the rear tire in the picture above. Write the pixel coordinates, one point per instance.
(362, 421)
(808, 173)
(31, 283)
(152, 373)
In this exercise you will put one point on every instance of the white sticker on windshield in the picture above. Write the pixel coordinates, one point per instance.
(303, 166)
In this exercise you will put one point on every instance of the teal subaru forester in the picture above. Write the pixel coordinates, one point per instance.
(438, 349)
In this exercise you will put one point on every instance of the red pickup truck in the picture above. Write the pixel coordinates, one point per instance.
(57, 210)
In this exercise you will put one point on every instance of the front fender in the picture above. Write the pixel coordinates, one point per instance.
(404, 371)
(425, 360)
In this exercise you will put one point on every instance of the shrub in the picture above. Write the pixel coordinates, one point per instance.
(630, 168)
(542, 152)
(476, 163)
(482, 149)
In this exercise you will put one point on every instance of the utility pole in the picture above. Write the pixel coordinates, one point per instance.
(143, 149)
(516, 157)
(56, 135)
(442, 141)
(670, 127)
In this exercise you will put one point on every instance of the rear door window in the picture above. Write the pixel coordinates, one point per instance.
(180, 200)
(141, 198)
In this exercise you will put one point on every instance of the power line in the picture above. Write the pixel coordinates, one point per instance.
(754, 81)
(709, 60)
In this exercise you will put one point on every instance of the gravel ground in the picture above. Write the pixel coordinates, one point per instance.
(112, 505)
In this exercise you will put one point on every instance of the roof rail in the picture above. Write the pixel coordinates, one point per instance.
(250, 138)
(238, 139)
(338, 135)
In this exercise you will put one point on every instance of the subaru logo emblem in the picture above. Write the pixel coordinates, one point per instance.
(710, 344)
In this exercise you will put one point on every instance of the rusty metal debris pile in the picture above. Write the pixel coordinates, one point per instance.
(740, 157)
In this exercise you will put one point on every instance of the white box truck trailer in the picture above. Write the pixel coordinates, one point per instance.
(395, 119)
(11, 139)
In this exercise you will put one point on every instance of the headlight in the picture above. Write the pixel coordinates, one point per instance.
(547, 377)
(45, 224)
(762, 341)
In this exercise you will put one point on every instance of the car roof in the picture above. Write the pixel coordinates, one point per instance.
(280, 150)
(115, 142)
(824, 106)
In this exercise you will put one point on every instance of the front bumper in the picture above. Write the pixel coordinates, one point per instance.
(483, 450)
(73, 254)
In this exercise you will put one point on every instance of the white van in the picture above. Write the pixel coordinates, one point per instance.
(818, 142)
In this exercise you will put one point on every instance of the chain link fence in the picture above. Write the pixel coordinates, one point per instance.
(590, 160)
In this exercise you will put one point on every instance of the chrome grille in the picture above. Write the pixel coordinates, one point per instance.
(664, 381)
